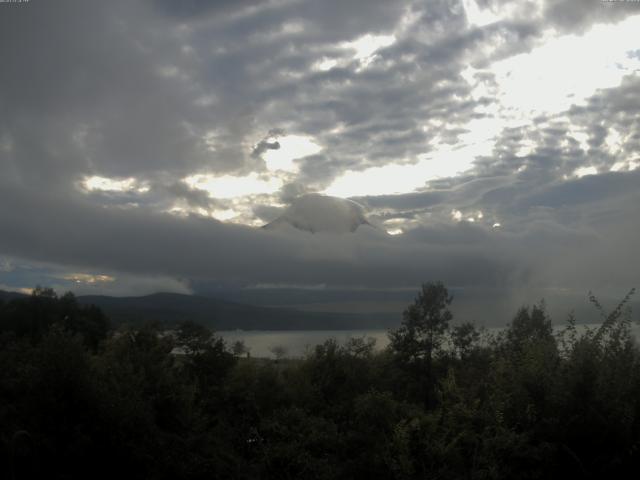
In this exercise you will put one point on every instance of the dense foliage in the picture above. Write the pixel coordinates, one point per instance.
(78, 400)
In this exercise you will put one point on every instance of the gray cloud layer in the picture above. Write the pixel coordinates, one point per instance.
(134, 89)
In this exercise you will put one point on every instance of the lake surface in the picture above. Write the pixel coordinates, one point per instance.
(297, 343)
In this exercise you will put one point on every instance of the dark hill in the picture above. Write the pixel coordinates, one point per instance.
(172, 308)
(8, 296)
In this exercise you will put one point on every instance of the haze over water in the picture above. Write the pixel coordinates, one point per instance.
(297, 343)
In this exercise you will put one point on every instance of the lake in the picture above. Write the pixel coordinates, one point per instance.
(296, 343)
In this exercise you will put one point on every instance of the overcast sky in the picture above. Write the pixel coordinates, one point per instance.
(491, 143)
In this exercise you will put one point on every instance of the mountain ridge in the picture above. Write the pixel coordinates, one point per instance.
(172, 308)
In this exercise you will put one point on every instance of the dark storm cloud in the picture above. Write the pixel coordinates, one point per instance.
(567, 230)
(566, 15)
(613, 109)
(515, 190)
(146, 243)
(143, 242)
(265, 146)
(190, 8)
(382, 111)
(129, 101)
(83, 91)
(585, 190)
(180, 190)
(267, 213)
(577, 15)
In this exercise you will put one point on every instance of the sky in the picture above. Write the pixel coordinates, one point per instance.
(490, 144)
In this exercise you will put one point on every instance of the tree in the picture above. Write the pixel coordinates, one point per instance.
(206, 357)
(421, 334)
(463, 338)
(424, 325)
(193, 337)
(362, 347)
(85, 320)
(239, 348)
(530, 326)
(278, 351)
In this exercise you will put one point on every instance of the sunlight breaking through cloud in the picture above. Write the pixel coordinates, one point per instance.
(366, 46)
(105, 184)
(583, 171)
(291, 147)
(87, 278)
(566, 69)
(477, 16)
(394, 179)
(228, 186)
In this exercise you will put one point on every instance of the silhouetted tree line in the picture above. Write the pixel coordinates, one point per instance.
(78, 400)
